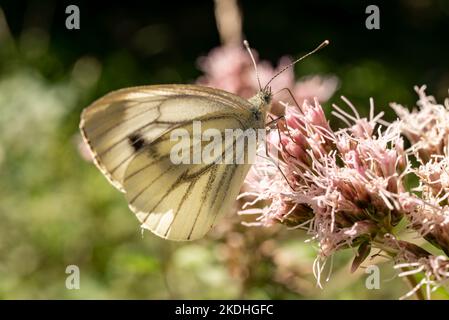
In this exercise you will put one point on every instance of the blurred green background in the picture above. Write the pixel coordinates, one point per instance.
(56, 209)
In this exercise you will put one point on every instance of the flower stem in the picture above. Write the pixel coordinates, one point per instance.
(410, 279)
(413, 283)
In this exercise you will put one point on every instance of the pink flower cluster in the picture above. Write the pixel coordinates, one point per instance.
(427, 128)
(339, 184)
(346, 187)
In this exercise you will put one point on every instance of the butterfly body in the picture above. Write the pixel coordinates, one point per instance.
(129, 134)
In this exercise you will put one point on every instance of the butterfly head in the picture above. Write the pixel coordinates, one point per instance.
(266, 96)
(261, 103)
(262, 100)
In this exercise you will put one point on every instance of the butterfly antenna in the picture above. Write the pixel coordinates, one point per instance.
(246, 44)
(321, 46)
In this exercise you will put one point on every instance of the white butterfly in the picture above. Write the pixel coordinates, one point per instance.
(128, 134)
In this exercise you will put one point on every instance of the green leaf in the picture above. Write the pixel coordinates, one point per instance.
(362, 253)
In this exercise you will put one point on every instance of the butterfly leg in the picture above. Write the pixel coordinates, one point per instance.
(283, 116)
(291, 95)
(274, 121)
(279, 168)
(282, 146)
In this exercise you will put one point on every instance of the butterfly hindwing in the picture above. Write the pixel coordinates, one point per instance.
(180, 202)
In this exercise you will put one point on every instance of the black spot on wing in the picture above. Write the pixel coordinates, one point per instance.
(136, 141)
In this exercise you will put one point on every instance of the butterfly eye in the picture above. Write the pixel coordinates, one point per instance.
(266, 96)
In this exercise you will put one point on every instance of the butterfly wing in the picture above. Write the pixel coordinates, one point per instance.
(110, 123)
(180, 202)
(128, 133)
